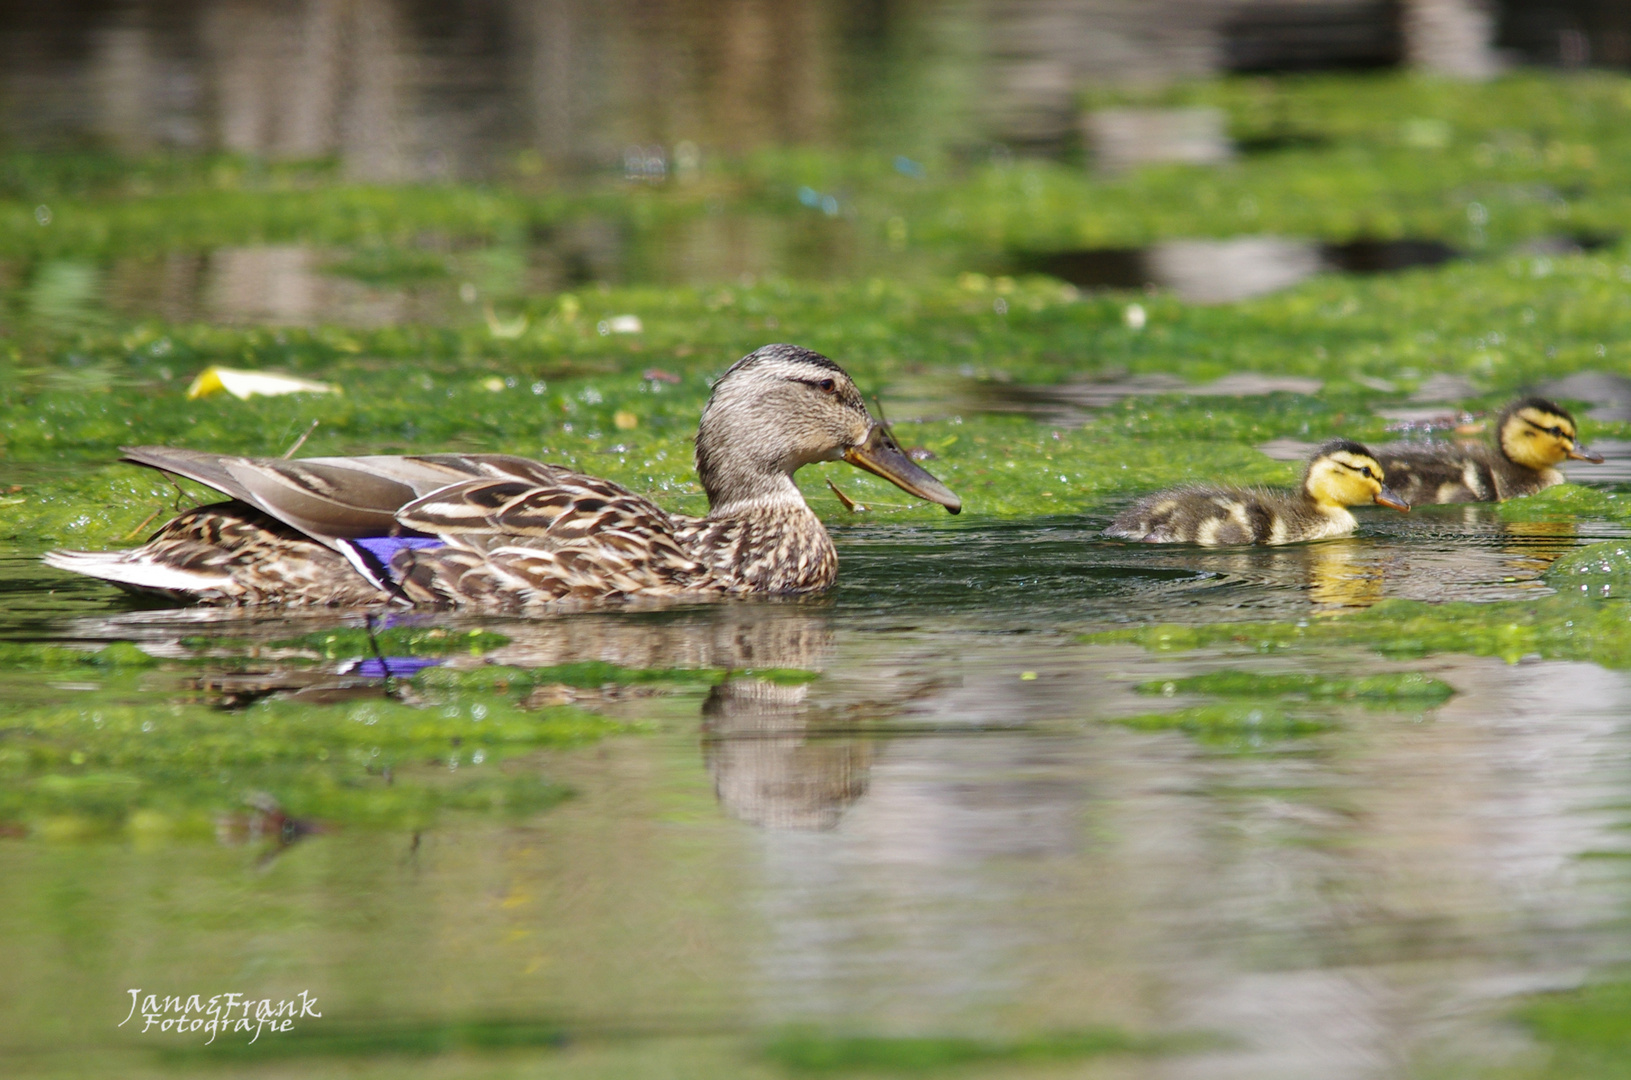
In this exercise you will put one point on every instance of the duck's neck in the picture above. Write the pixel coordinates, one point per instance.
(1328, 507)
(772, 494)
(759, 535)
(753, 480)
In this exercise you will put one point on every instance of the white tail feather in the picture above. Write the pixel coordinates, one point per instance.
(119, 568)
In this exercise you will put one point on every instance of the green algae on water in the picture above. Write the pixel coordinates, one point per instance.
(813, 1052)
(1587, 1032)
(1563, 501)
(1598, 570)
(335, 1038)
(348, 642)
(589, 674)
(1553, 627)
(1231, 722)
(376, 762)
(28, 656)
(1384, 691)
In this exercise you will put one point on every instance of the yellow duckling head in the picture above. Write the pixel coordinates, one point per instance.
(1538, 434)
(1343, 473)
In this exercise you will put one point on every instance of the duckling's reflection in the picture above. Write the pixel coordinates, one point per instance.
(767, 768)
(1452, 552)
(1532, 547)
(1343, 575)
(1337, 575)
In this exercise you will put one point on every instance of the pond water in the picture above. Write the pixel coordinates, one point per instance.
(1219, 271)
(302, 285)
(960, 821)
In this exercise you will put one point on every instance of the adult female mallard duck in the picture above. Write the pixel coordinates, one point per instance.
(506, 533)
(1340, 474)
(1532, 437)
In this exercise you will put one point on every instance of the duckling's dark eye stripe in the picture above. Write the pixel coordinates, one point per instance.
(1553, 430)
(1362, 470)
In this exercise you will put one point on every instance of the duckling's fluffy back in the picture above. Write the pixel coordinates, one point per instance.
(1218, 516)
(1425, 472)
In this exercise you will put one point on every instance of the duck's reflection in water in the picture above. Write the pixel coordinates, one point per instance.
(273, 652)
(767, 767)
(731, 635)
(776, 760)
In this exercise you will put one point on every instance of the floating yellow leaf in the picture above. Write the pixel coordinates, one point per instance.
(625, 420)
(504, 329)
(244, 385)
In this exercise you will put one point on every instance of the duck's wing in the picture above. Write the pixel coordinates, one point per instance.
(458, 528)
(337, 498)
(545, 502)
(554, 534)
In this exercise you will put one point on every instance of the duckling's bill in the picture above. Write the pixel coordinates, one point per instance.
(1580, 453)
(882, 456)
(1390, 498)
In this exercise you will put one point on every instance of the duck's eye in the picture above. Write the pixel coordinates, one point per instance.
(1367, 472)
(827, 385)
(1555, 432)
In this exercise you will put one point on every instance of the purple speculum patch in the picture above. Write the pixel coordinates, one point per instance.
(384, 547)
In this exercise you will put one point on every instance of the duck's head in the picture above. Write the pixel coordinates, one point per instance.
(1538, 434)
(1343, 473)
(782, 407)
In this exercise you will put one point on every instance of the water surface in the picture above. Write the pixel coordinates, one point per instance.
(946, 832)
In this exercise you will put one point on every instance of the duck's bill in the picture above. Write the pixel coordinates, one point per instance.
(881, 456)
(1580, 453)
(1390, 498)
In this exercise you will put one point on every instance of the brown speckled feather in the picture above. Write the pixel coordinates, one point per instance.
(517, 547)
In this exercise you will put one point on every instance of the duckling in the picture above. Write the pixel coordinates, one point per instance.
(1533, 436)
(1340, 474)
(510, 534)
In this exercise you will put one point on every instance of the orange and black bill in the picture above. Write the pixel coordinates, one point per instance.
(882, 456)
